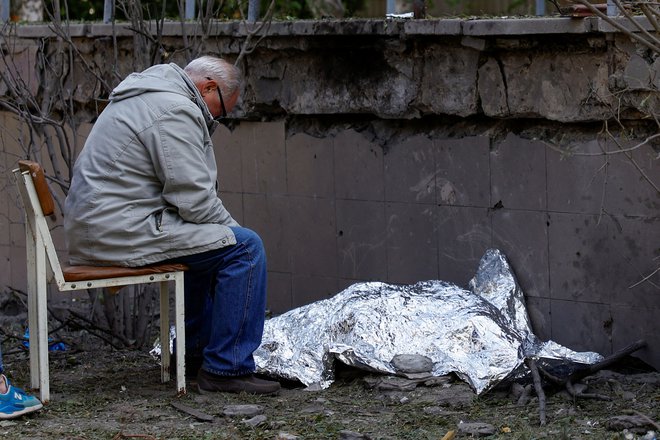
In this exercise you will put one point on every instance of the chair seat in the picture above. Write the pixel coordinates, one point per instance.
(86, 273)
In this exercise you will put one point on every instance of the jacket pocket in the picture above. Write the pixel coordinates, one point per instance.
(158, 217)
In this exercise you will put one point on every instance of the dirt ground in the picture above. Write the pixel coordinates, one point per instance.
(99, 393)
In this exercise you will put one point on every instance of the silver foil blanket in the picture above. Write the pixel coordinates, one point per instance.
(483, 334)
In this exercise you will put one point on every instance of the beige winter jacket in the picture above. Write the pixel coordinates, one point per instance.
(144, 186)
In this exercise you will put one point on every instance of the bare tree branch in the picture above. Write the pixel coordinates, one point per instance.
(263, 25)
(619, 27)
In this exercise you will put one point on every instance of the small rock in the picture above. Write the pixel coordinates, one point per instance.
(312, 409)
(351, 435)
(390, 383)
(627, 395)
(396, 384)
(314, 387)
(652, 379)
(578, 388)
(411, 363)
(243, 410)
(371, 381)
(459, 395)
(285, 436)
(476, 429)
(417, 376)
(521, 394)
(256, 420)
(563, 411)
(435, 411)
(435, 381)
(517, 390)
(619, 423)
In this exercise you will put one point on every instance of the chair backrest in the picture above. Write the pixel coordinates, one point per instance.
(38, 202)
(40, 185)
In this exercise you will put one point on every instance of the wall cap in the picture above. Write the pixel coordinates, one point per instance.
(398, 27)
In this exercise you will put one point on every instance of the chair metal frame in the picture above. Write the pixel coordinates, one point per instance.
(38, 203)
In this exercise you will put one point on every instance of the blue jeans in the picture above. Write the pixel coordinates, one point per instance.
(225, 296)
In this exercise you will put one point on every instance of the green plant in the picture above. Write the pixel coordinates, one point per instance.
(92, 10)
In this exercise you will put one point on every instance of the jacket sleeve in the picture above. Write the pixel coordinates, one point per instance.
(180, 154)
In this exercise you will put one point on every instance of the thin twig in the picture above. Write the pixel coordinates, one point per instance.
(568, 382)
(538, 387)
(621, 150)
(632, 20)
(619, 27)
(609, 360)
(650, 15)
(635, 164)
(92, 328)
(646, 418)
(645, 278)
(199, 415)
(575, 393)
(245, 49)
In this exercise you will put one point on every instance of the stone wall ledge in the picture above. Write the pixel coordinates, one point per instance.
(494, 68)
(383, 27)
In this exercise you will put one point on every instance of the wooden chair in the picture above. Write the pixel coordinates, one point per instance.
(38, 203)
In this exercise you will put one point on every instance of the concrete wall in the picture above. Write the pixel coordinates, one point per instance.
(400, 151)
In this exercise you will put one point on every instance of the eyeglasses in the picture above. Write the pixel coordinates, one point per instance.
(222, 102)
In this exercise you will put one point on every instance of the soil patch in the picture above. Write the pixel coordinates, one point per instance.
(99, 393)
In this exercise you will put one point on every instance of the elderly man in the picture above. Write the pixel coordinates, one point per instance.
(144, 191)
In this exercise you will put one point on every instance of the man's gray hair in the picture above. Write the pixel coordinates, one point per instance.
(226, 74)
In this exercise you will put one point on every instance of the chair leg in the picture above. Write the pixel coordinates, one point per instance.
(42, 323)
(33, 324)
(164, 332)
(179, 323)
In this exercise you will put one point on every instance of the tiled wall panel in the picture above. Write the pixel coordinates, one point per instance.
(464, 234)
(518, 174)
(412, 249)
(310, 166)
(579, 250)
(581, 326)
(269, 216)
(312, 237)
(463, 171)
(581, 231)
(410, 171)
(362, 238)
(523, 237)
(263, 158)
(359, 173)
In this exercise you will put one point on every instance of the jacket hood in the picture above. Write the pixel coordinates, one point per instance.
(159, 78)
(162, 78)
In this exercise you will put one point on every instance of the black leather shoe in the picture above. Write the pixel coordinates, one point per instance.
(212, 383)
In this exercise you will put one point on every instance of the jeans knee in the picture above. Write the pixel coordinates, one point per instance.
(251, 240)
